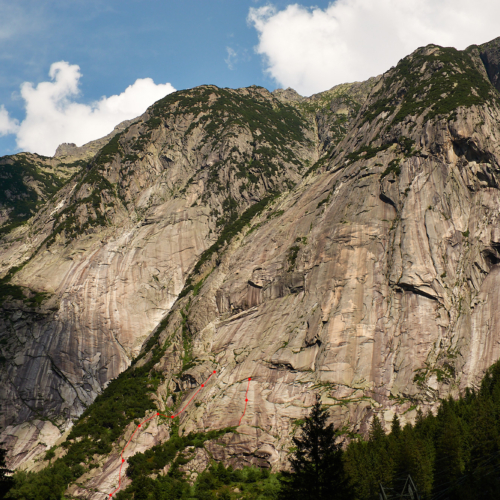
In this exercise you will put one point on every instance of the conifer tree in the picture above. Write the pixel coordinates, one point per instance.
(396, 427)
(5, 480)
(377, 432)
(381, 457)
(357, 465)
(317, 467)
(449, 443)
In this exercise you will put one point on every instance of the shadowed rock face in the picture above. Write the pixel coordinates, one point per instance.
(27, 181)
(105, 259)
(490, 55)
(372, 279)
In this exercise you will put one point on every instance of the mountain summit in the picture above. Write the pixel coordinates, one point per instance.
(343, 245)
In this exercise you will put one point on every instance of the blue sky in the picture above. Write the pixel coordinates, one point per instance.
(229, 43)
(183, 42)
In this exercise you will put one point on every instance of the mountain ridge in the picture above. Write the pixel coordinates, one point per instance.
(366, 275)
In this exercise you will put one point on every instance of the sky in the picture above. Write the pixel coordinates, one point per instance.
(71, 70)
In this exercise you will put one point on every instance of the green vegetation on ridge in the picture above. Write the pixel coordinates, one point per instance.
(221, 114)
(219, 109)
(454, 81)
(67, 220)
(17, 191)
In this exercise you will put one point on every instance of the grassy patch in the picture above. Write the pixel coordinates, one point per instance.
(393, 168)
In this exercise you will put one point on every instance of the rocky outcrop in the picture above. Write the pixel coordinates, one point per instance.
(27, 181)
(108, 255)
(288, 94)
(366, 271)
(70, 152)
(490, 55)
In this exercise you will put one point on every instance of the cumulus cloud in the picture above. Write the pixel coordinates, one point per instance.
(313, 49)
(53, 116)
(7, 124)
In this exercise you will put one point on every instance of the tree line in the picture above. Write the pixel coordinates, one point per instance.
(453, 454)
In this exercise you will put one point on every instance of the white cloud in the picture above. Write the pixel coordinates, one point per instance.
(7, 125)
(53, 116)
(313, 49)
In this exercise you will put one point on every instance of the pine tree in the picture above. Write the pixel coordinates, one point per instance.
(317, 467)
(357, 467)
(396, 427)
(377, 432)
(450, 446)
(381, 457)
(5, 479)
(415, 457)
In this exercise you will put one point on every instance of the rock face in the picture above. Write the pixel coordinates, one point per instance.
(345, 245)
(27, 181)
(490, 55)
(69, 152)
(105, 259)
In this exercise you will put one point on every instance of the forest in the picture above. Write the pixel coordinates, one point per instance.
(453, 454)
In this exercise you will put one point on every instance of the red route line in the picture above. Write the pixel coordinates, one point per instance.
(246, 401)
(171, 416)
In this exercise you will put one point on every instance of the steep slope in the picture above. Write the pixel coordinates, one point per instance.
(26, 182)
(372, 283)
(103, 261)
(490, 55)
(345, 244)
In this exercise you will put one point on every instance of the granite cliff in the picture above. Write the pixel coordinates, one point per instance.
(346, 244)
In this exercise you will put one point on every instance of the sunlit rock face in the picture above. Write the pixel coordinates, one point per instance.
(369, 278)
(107, 256)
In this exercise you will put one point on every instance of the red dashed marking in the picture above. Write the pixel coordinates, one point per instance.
(171, 416)
(246, 401)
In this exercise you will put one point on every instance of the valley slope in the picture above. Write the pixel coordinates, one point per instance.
(344, 244)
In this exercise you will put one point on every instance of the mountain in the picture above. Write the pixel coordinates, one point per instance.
(28, 180)
(344, 244)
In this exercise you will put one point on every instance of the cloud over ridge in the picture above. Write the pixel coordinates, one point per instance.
(313, 49)
(53, 116)
(7, 124)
